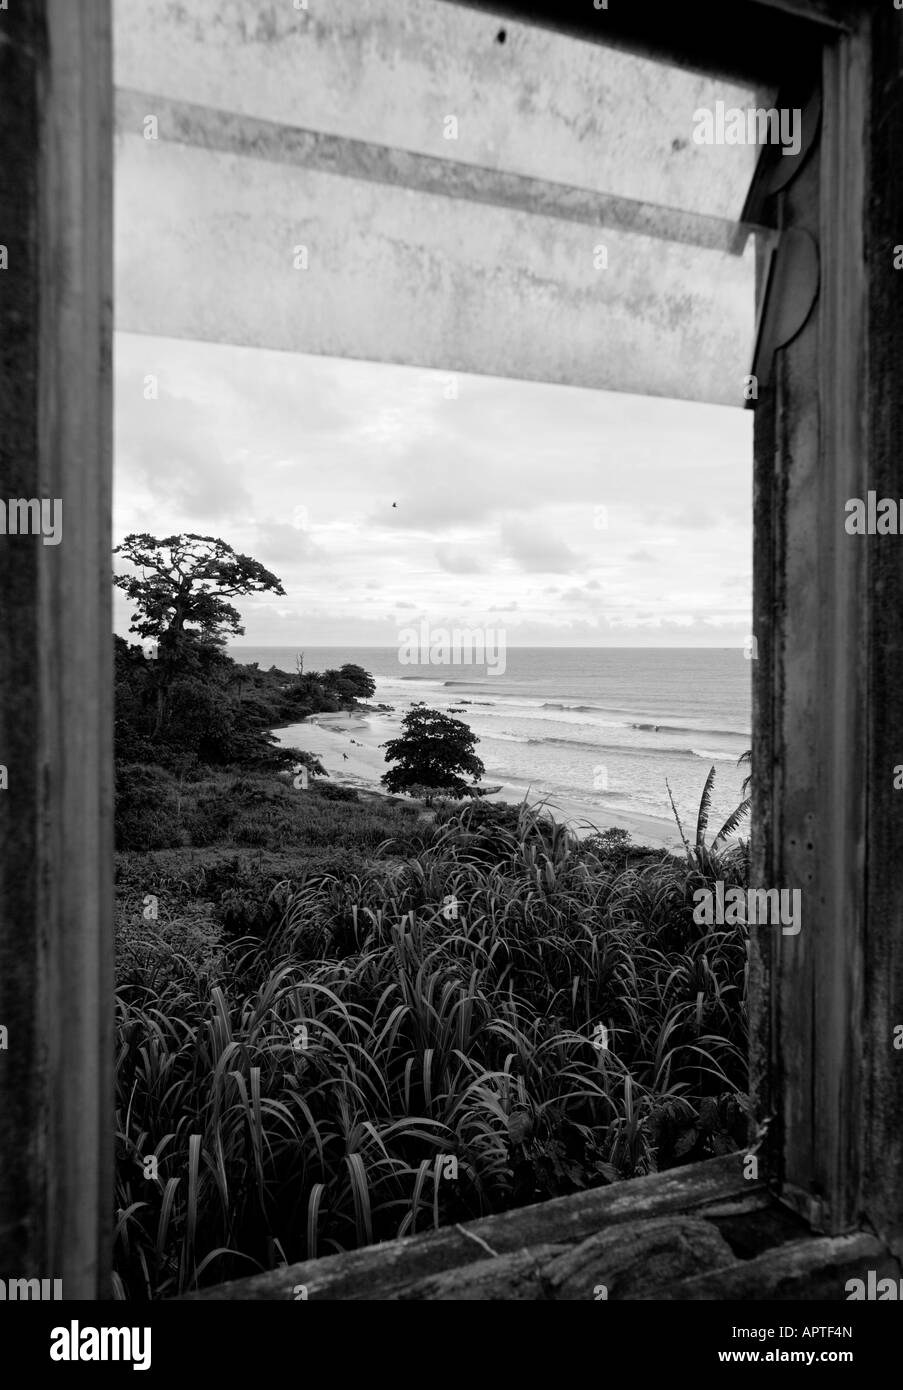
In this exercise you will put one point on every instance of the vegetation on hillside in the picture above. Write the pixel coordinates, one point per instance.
(305, 1051)
(183, 704)
(342, 1016)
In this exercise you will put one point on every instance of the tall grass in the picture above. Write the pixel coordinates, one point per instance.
(450, 1002)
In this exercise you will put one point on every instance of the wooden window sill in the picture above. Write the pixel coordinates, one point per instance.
(700, 1232)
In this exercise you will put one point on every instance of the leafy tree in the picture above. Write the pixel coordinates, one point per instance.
(181, 595)
(431, 754)
(201, 720)
(350, 683)
(185, 582)
(359, 681)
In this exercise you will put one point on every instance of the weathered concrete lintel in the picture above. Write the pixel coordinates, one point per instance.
(420, 280)
(189, 123)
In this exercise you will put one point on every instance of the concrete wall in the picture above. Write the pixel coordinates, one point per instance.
(205, 249)
(390, 71)
(481, 280)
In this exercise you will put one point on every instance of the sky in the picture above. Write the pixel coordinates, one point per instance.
(564, 516)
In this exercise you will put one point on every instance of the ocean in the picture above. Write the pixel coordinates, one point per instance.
(606, 727)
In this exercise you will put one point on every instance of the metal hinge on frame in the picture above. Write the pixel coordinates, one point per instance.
(789, 280)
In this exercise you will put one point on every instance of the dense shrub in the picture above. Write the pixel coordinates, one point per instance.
(335, 791)
(147, 807)
(155, 809)
(489, 830)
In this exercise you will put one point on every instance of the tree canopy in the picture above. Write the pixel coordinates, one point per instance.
(431, 755)
(351, 682)
(184, 583)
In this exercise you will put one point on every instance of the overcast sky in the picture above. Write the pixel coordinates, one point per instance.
(502, 498)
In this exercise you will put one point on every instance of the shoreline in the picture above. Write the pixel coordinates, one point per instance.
(347, 745)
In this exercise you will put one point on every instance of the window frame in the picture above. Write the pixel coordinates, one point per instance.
(826, 684)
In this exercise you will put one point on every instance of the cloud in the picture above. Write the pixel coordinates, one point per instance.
(167, 458)
(456, 559)
(278, 543)
(579, 594)
(695, 518)
(297, 461)
(535, 549)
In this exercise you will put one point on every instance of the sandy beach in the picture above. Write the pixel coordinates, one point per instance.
(348, 746)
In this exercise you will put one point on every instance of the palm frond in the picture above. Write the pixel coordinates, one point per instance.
(677, 818)
(733, 820)
(705, 802)
(747, 780)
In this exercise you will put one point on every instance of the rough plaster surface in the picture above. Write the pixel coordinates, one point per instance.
(390, 71)
(205, 249)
